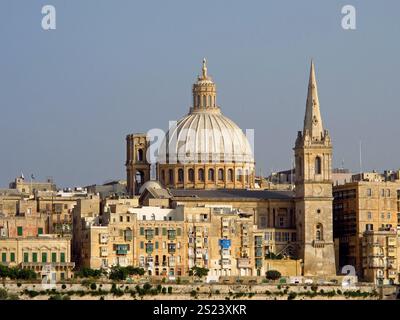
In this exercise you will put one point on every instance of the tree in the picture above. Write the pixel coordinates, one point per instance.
(273, 275)
(198, 272)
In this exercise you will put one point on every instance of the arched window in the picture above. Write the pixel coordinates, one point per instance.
(180, 175)
(319, 232)
(318, 165)
(211, 175)
(191, 175)
(209, 101)
(171, 176)
(198, 101)
(239, 175)
(201, 175)
(230, 175)
(247, 176)
(140, 155)
(221, 174)
(204, 101)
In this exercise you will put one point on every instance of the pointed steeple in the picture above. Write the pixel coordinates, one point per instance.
(312, 120)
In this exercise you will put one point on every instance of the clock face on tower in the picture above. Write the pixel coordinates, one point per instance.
(317, 190)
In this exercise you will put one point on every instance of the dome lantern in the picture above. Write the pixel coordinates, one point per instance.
(204, 92)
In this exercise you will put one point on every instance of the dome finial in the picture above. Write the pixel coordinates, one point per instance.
(204, 68)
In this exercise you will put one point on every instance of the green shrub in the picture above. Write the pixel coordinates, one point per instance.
(19, 284)
(93, 286)
(292, 295)
(169, 290)
(63, 286)
(164, 290)
(3, 294)
(193, 293)
(273, 275)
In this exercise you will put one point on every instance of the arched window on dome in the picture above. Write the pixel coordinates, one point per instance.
(200, 174)
(211, 176)
(180, 175)
(191, 175)
(171, 176)
(198, 101)
(230, 175)
(209, 101)
(204, 101)
(221, 174)
(239, 175)
(318, 165)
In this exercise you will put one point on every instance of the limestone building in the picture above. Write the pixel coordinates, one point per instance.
(313, 161)
(204, 150)
(366, 212)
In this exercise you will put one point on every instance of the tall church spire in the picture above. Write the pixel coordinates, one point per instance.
(312, 120)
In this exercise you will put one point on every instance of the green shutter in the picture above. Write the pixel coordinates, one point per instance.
(156, 232)
(12, 257)
(62, 257)
(141, 231)
(34, 257)
(54, 257)
(3, 257)
(156, 244)
(40, 231)
(141, 244)
(44, 256)
(26, 257)
(19, 231)
(164, 231)
(179, 232)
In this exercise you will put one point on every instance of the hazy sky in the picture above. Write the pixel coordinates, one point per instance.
(69, 96)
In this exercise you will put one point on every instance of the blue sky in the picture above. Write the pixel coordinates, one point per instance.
(69, 96)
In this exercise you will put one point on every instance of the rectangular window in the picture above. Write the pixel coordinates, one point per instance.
(156, 244)
(62, 257)
(40, 231)
(141, 231)
(164, 231)
(3, 257)
(44, 256)
(19, 231)
(54, 257)
(34, 257)
(12, 257)
(383, 192)
(156, 231)
(26, 257)
(179, 232)
(121, 219)
(369, 192)
(389, 215)
(369, 215)
(141, 245)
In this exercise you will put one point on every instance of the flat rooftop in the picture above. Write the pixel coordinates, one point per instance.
(233, 194)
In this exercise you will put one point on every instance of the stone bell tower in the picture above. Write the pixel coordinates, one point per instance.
(137, 165)
(313, 169)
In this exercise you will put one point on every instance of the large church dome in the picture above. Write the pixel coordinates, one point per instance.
(205, 149)
(205, 136)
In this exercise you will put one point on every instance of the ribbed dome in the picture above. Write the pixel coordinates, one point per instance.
(205, 136)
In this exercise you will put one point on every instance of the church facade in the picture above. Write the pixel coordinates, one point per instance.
(207, 161)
